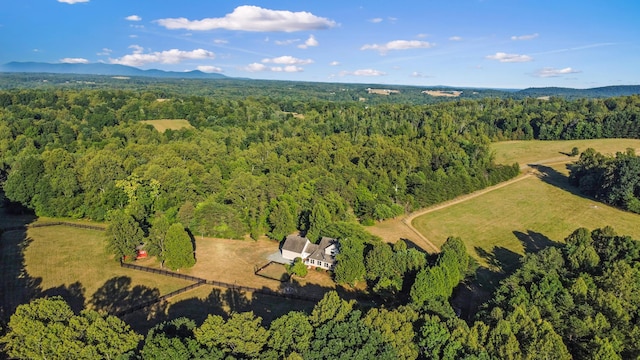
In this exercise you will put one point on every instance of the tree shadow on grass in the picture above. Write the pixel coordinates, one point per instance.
(533, 241)
(553, 177)
(117, 295)
(198, 309)
(16, 285)
(502, 263)
(73, 294)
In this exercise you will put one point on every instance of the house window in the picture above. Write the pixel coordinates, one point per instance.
(311, 261)
(326, 265)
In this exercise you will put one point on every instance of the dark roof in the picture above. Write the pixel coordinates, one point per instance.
(318, 252)
(294, 243)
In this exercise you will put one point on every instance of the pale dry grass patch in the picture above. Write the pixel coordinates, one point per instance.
(169, 124)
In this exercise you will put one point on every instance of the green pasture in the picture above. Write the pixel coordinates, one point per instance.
(72, 263)
(500, 226)
(169, 124)
(531, 151)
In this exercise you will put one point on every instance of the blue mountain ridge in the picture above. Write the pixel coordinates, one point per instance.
(102, 69)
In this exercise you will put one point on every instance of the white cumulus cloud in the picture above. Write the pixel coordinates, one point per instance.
(525, 37)
(417, 74)
(209, 69)
(334, 63)
(133, 18)
(286, 42)
(105, 52)
(364, 72)
(73, 1)
(375, 20)
(254, 18)
(551, 72)
(74, 61)
(504, 57)
(311, 41)
(220, 41)
(287, 60)
(258, 67)
(398, 45)
(455, 38)
(173, 56)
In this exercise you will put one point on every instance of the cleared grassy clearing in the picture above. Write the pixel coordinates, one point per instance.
(528, 151)
(71, 262)
(60, 256)
(169, 124)
(525, 216)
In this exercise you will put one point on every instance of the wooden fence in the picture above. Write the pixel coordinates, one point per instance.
(197, 281)
(57, 223)
(159, 299)
(200, 281)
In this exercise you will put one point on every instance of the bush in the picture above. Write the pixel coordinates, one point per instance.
(298, 268)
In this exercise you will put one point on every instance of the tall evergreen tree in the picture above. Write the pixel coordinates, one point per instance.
(179, 248)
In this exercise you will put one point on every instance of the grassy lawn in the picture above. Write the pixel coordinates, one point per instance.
(525, 152)
(166, 124)
(501, 225)
(73, 263)
(61, 256)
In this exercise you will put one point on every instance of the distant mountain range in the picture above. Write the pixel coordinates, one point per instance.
(102, 69)
(605, 91)
(114, 70)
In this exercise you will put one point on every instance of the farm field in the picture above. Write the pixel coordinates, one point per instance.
(525, 216)
(61, 256)
(500, 225)
(530, 151)
(169, 124)
(73, 263)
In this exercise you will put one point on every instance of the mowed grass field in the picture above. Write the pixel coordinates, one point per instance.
(73, 263)
(60, 256)
(169, 124)
(503, 224)
(529, 151)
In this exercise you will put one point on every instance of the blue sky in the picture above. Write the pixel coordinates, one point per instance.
(477, 43)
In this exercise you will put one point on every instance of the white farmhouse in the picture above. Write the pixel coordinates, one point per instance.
(322, 255)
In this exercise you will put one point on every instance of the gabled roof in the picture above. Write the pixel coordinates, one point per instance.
(319, 252)
(294, 243)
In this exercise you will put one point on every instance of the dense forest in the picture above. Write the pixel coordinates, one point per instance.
(252, 166)
(612, 180)
(273, 165)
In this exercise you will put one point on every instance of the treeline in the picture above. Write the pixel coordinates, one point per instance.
(257, 165)
(614, 180)
(587, 290)
(579, 299)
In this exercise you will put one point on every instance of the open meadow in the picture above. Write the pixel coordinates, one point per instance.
(73, 263)
(163, 125)
(524, 216)
(499, 226)
(532, 151)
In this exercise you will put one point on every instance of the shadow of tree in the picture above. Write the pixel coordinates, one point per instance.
(198, 309)
(553, 177)
(117, 295)
(16, 285)
(73, 294)
(502, 263)
(533, 241)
